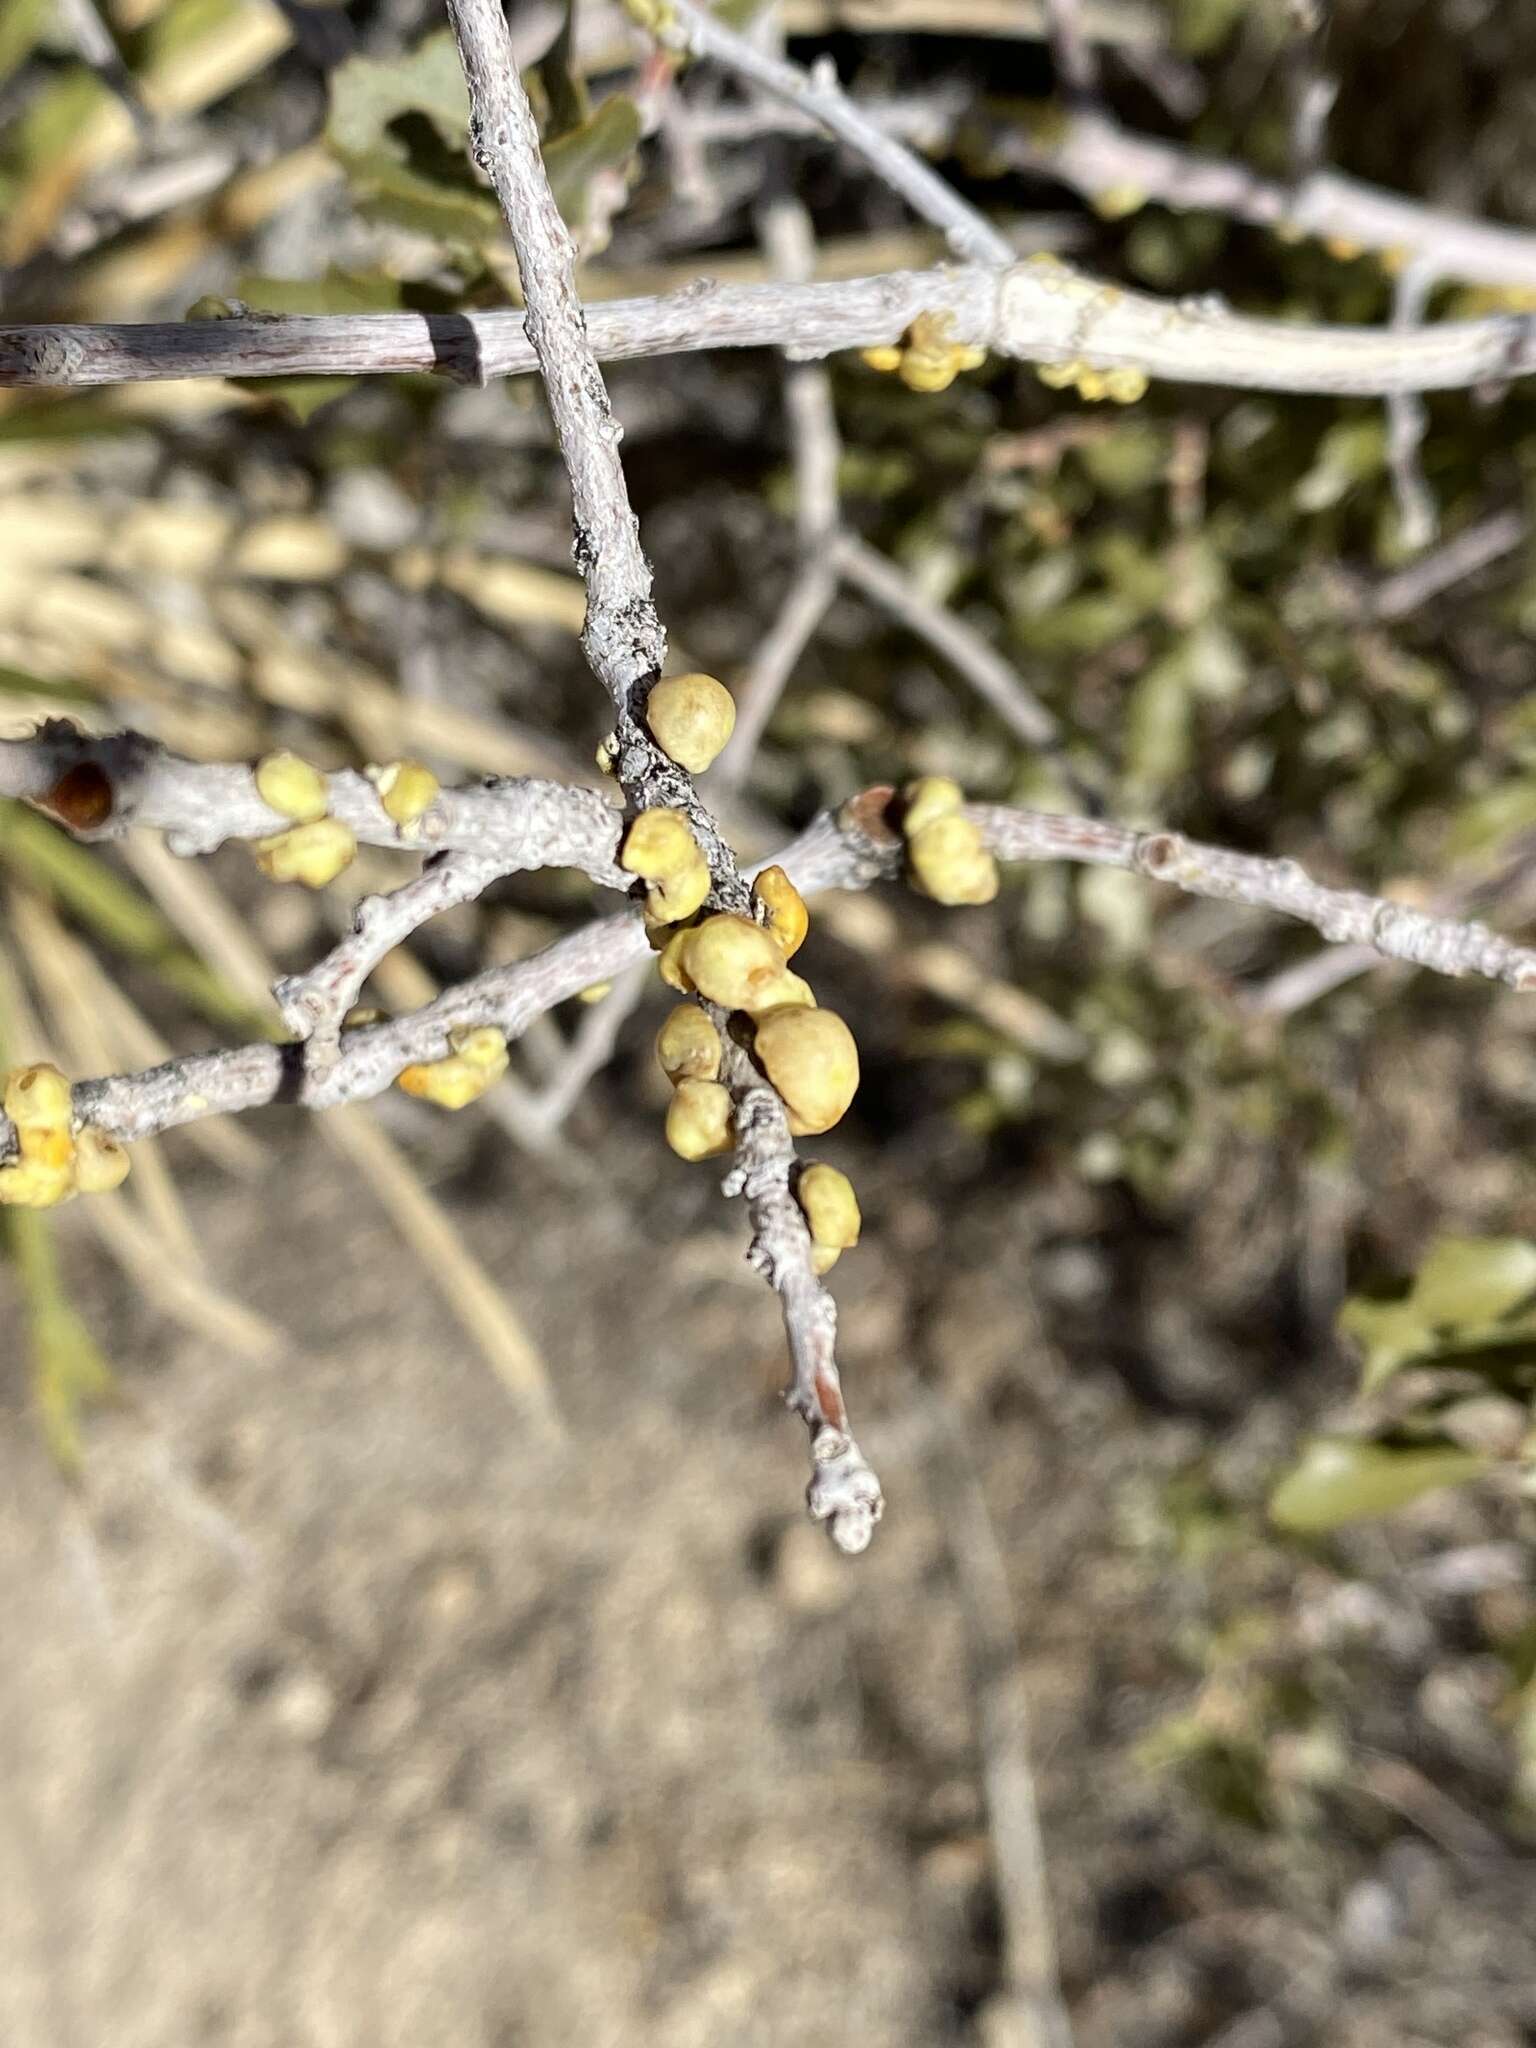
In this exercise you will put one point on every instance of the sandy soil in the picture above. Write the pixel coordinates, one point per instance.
(345, 1712)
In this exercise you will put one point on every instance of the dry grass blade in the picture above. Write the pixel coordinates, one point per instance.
(1035, 2010)
(205, 917)
(66, 976)
(176, 1289)
(477, 1302)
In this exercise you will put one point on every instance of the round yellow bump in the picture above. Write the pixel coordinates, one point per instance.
(313, 854)
(595, 993)
(1125, 385)
(919, 373)
(811, 1059)
(823, 1258)
(1114, 202)
(690, 718)
(101, 1163)
(699, 1120)
(688, 1046)
(288, 783)
(658, 845)
(407, 789)
(788, 918)
(831, 1207)
(887, 357)
(732, 961)
(671, 965)
(786, 990)
(950, 863)
(37, 1098)
(680, 896)
(52, 1150)
(932, 796)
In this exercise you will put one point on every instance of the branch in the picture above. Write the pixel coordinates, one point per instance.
(625, 646)
(102, 787)
(848, 849)
(623, 638)
(314, 1005)
(844, 1492)
(693, 31)
(1039, 312)
(1094, 156)
(1395, 931)
(994, 680)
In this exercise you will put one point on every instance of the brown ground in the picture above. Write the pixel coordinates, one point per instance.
(365, 1718)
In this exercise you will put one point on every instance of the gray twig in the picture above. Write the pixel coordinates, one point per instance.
(848, 849)
(314, 1004)
(1407, 418)
(1035, 311)
(694, 31)
(103, 787)
(784, 228)
(1094, 156)
(625, 646)
(994, 680)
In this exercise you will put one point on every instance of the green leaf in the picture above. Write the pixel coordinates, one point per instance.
(1349, 454)
(395, 171)
(1160, 723)
(339, 291)
(1474, 1280)
(22, 23)
(604, 143)
(1489, 820)
(82, 883)
(1463, 1298)
(15, 682)
(368, 93)
(564, 88)
(1337, 1480)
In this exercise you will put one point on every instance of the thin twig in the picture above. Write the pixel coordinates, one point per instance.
(127, 780)
(694, 31)
(784, 227)
(846, 850)
(1030, 1969)
(801, 611)
(1466, 554)
(992, 678)
(625, 647)
(589, 1051)
(1034, 311)
(1095, 156)
(314, 1004)
(1407, 418)
(1071, 52)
